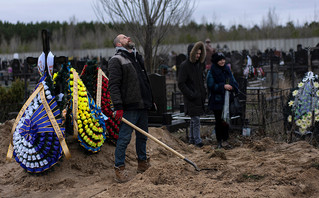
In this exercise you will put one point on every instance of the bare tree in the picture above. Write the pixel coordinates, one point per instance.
(271, 20)
(148, 21)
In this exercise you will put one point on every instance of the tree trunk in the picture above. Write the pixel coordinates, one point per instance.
(148, 51)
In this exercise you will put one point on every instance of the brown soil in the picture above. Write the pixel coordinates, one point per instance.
(252, 168)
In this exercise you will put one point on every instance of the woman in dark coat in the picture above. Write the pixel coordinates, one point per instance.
(220, 79)
(191, 84)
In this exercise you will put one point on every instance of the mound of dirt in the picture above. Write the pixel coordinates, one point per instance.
(261, 168)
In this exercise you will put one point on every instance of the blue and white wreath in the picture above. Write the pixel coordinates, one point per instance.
(36, 146)
(305, 104)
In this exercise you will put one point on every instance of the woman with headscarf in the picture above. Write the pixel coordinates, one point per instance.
(219, 80)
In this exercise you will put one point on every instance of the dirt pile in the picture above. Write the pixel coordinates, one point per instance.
(260, 168)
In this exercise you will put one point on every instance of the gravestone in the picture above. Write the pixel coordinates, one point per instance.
(315, 56)
(237, 62)
(158, 84)
(301, 56)
(16, 68)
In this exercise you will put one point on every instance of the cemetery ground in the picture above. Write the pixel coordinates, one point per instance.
(256, 166)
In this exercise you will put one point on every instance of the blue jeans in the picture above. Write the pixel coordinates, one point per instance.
(194, 132)
(140, 119)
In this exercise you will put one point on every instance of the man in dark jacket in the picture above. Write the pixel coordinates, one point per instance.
(191, 83)
(131, 95)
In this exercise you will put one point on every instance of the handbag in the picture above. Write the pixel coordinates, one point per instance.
(235, 107)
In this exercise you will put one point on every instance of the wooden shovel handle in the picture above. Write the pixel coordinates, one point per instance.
(152, 137)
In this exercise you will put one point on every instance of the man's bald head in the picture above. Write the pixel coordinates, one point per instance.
(123, 41)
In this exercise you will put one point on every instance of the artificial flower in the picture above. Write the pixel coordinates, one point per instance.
(291, 103)
(55, 75)
(303, 125)
(47, 92)
(302, 131)
(301, 84)
(304, 118)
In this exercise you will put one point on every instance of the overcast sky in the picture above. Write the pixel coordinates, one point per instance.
(226, 12)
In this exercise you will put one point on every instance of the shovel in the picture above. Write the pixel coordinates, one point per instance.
(160, 143)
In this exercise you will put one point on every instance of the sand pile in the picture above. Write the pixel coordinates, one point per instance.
(259, 168)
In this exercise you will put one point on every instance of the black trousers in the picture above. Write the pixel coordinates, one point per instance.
(221, 127)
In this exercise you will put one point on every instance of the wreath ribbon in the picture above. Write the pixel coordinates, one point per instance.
(55, 126)
(75, 103)
(99, 87)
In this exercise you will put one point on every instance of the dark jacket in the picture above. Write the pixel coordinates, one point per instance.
(129, 85)
(191, 81)
(216, 79)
